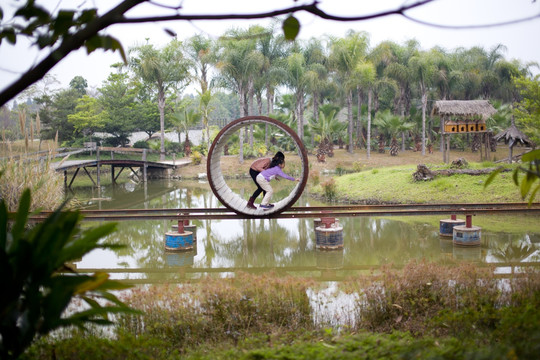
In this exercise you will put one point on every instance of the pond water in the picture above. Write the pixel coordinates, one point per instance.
(285, 246)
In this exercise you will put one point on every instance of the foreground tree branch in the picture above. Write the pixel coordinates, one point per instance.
(72, 42)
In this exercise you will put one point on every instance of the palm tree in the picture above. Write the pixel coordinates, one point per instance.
(202, 53)
(345, 55)
(297, 81)
(184, 120)
(163, 70)
(239, 60)
(365, 73)
(423, 68)
(205, 108)
(327, 127)
(392, 125)
(317, 76)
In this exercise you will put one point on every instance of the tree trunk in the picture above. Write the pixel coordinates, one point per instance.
(370, 94)
(359, 118)
(161, 106)
(315, 115)
(251, 93)
(243, 107)
(300, 114)
(350, 120)
(424, 107)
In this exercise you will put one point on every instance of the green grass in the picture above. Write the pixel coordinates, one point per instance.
(396, 185)
(424, 311)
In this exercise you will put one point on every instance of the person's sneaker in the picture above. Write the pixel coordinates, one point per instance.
(251, 206)
(265, 207)
(271, 205)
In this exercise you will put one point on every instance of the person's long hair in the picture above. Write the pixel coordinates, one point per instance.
(275, 162)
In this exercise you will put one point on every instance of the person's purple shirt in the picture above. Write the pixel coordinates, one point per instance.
(271, 173)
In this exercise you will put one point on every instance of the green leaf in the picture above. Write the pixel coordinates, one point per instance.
(3, 226)
(63, 22)
(492, 176)
(9, 34)
(22, 215)
(515, 176)
(526, 184)
(291, 27)
(531, 156)
(87, 16)
(106, 43)
(533, 194)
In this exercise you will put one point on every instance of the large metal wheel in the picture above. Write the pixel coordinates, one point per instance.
(219, 186)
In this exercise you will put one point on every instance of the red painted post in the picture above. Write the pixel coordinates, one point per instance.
(453, 217)
(180, 226)
(328, 221)
(468, 220)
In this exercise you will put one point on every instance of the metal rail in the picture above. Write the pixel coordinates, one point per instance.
(309, 212)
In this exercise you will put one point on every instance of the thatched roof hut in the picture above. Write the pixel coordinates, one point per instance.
(513, 136)
(461, 116)
(463, 108)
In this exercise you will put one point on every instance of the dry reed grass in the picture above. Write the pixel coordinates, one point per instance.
(420, 297)
(35, 174)
(220, 309)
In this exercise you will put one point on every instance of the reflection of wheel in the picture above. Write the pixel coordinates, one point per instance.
(223, 192)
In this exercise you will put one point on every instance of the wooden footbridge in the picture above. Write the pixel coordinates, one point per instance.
(146, 167)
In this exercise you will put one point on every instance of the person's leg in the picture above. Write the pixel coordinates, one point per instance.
(253, 174)
(265, 185)
(250, 203)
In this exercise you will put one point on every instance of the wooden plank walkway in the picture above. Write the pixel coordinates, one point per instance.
(67, 165)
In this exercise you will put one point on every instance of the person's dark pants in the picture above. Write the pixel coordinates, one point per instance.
(253, 174)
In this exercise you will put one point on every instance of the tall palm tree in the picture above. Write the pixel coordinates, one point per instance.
(202, 53)
(297, 81)
(365, 73)
(317, 75)
(163, 71)
(204, 106)
(423, 68)
(272, 72)
(239, 60)
(345, 54)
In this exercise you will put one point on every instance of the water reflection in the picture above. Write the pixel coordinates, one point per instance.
(282, 245)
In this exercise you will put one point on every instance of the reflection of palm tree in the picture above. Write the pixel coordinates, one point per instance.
(514, 252)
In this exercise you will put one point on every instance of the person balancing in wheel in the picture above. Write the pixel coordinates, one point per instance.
(263, 179)
(255, 169)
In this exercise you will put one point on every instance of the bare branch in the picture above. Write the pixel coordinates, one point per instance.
(462, 27)
(310, 8)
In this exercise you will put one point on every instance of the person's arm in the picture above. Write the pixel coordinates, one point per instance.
(280, 173)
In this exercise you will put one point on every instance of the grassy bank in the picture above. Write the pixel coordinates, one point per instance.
(396, 185)
(423, 311)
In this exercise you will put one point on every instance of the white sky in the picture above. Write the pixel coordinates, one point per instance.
(521, 39)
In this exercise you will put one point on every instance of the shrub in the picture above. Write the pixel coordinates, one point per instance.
(141, 144)
(315, 177)
(196, 158)
(358, 166)
(329, 189)
(35, 290)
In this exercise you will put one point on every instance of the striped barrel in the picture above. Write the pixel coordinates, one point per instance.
(178, 241)
(446, 226)
(467, 236)
(329, 238)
